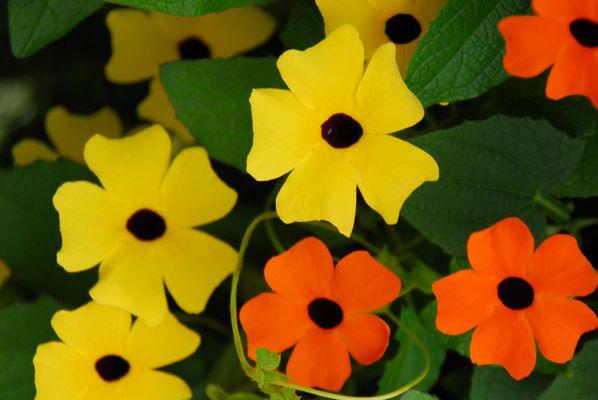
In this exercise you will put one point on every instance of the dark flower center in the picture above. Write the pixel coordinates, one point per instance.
(341, 131)
(146, 225)
(403, 28)
(585, 32)
(111, 368)
(194, 49)
(516, 293)
(325, 313)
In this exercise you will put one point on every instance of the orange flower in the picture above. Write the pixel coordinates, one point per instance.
(563, 34)
(322, 311)
(514, 295)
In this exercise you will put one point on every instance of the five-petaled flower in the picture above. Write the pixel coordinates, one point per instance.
(332, 130)
(139, 226)
(141, 41)
(102, 356)
(514, 295)
(564, 35)
(322, 310)
(402, 22)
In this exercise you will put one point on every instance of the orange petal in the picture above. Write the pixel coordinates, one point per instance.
(574, 73)
(532, 43)
(505, 339)
(321, 360)
(273, 322)
(558, 323)
(504, 249)
(565, 10)
(366, 337)
(465, 299)
(558, 267)
(361, 283)
(303, 271)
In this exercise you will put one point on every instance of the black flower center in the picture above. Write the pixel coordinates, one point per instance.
(516, 293)
(194, 49)
(403, 28)
(111, 368)
(325, 313)
(146, 225)
(585, 32)
(341, 131)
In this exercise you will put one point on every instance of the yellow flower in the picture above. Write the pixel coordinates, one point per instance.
(139, 226)
(101, 356)
(4, 273)
(142, 41)
(68, 133)
(332, 131)
(403, 22)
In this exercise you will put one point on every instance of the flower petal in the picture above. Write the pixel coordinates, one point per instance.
(558, 323)
(93, 328)
(505, 339)
(360, 283)
(284, 132)
(60, 373)
(388, 170)
(274, 322)
(131, 279)
(4, 273)
(28, 151)
(504, 249)
(194, 264)
(192, 194)
(559, 267)
(130, 168)
(91, 224)
(366, 337)
(566, 10)
(69, 132)
(161, 345)
(465, 299)
(325, 77)
(533, 43)
(320, 359)
(384, 103)
(304, 271)
(155, 385)
(322, 187)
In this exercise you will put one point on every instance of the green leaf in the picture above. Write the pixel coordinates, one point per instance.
(211, 97)
(490, 170)
(415, 395)
(580, 382)
(305, 26)
(22, 328)
(461, 56)
(29, 233)
(583, 182)
(494, 383)
(35, 23)
(267, 360)
(188, 8)
(215, 392)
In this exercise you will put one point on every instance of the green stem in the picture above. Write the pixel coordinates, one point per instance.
(276, 243)
(355, 237)
(553, 207)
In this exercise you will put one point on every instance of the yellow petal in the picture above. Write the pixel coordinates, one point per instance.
(69, 132)
(131, 279)
(325, 76)
(284, 132)
(192, 194)
(139, 45)
(60, 373)
(4, 273)
(161, 345)
(27, 151)
(195, 263)
(322, 187)
(384, 103)
(427, 10)
(156, 107)
(388, 171)
(404, 53)
(91, 225)
(93, 328)
(361, 14)
(155, 385)
(130, 168)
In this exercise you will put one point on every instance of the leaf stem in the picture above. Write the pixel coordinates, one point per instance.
(553, 207)
(354, 236)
